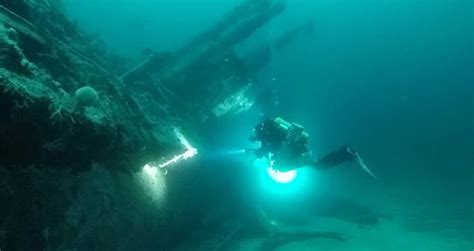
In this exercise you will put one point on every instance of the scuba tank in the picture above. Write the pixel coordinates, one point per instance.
(295, 131)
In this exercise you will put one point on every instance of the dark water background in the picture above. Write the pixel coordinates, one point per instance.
(393, 78)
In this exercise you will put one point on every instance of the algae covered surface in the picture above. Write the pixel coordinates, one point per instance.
(128, 125)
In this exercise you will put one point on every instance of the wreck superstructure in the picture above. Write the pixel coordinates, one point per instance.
(45, 59)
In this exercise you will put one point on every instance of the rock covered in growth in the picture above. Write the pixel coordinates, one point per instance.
(86, 96)
(39, 77)
(11, 55)
(47, 146)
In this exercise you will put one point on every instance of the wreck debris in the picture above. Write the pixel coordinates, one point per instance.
(199, 70)
(39, 93)
(90, 153)
(234, 104)
(236, 26)
(208, 66)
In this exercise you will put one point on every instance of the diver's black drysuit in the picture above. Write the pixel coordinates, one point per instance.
(286, 143)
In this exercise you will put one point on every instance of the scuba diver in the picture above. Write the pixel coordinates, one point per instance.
(284, 146)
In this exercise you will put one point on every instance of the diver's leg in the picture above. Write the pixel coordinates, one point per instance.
(339, 157)
(336, 158)
(306, 160)
(363, 166)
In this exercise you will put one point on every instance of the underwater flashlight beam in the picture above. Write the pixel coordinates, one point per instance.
(190, 152)
(281, 177)
(150, 170)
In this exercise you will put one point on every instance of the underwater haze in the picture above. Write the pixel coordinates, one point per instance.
(392, 80)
